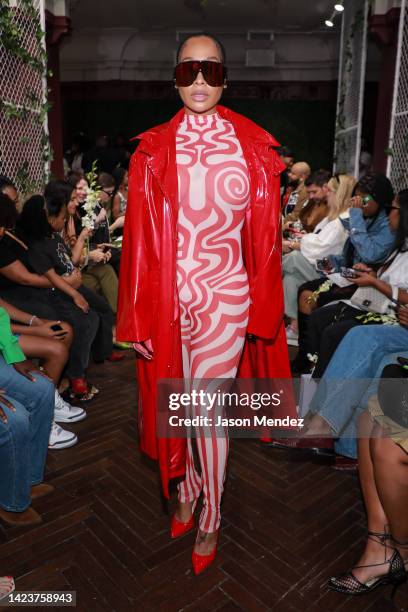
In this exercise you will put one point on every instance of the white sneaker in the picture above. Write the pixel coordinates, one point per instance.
(65, 413)
(292, 337)
(61, 438)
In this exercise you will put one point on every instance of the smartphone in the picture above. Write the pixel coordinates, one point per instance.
(324, 265)
(348, 272)
(56, 327)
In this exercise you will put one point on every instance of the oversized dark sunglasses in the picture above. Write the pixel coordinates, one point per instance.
(214, 73)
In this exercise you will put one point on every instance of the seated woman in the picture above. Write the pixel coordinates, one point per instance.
(371, 239)
(328, 238)
(102, 230)
(120, 198)
(101, 233)
(17, 282)
(328, 325)
(49, 255)
(42, 340)
(343, 393)
(383, 470)
(97, 273)
(26, 412)
(33, 292)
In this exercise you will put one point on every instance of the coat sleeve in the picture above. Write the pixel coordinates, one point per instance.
(134, 301)
(266, 291)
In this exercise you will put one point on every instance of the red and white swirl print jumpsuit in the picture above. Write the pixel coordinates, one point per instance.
(212, 281)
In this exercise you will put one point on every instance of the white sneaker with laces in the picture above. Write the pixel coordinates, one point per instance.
(65, 413)
(61, 438)
(292, 337)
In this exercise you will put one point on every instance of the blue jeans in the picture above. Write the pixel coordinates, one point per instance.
(24, 438)
(352, 377)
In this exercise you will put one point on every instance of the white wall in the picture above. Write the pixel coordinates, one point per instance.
(124, 54)
(380, 7)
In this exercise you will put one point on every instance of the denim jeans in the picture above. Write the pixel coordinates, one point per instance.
(352, 376)
(24, 438)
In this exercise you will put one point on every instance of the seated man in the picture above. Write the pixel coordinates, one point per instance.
(26, 412)
(296, 195)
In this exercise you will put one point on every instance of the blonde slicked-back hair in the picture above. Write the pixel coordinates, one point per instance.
(343, 185)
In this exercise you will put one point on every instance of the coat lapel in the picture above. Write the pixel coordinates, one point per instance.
(160, 146)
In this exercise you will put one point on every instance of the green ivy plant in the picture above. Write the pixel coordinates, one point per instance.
(33, 108)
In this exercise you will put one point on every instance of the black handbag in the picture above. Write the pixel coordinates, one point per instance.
(393, 394)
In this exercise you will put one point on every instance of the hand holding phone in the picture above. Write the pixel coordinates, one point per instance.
(348, 272)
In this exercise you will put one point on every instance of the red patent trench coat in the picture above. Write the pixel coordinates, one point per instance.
(148, 296)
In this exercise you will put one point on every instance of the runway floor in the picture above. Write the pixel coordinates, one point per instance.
(289, 522)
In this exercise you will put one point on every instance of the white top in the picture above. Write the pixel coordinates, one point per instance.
(397, 274)
(328, 238)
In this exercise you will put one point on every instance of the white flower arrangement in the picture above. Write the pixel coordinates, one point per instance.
(324, 287)
(92, 199)
(375, 317)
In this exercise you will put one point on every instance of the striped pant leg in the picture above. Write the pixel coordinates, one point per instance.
(213, 455)
(190, 489)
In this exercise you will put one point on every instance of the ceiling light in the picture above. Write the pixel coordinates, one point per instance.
(329, 23)
(339, 8)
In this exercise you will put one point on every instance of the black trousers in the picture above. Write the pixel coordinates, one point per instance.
(326, 329)
(307, 337)
(103, 342)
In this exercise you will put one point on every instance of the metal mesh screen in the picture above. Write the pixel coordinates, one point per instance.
(23, 122)
(398, 160)
(351, 86)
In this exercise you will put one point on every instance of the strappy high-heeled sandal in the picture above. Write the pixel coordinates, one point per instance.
(347, 583)
(404, 546)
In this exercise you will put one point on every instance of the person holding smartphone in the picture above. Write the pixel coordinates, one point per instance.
(26, 412)
(370, 240)
(50, 342)
(327, 326)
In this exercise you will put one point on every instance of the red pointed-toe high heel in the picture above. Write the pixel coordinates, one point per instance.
(177, 528)
(202, 562)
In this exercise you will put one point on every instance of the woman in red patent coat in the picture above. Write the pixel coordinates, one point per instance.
(164, 245)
